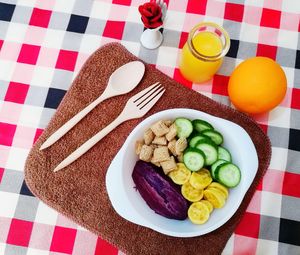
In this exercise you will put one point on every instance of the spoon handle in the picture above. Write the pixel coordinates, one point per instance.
(65, 128)
(91, 142)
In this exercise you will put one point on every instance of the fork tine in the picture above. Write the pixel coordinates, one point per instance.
(145, 97)
(144, 92)
(152, 101)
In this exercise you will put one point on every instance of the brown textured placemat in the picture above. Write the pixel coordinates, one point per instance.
(79, 191)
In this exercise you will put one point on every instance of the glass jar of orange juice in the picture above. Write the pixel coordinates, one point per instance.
(203, 53)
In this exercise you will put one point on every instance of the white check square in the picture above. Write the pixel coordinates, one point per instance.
(167, 56)
(289, 73)
(278, 159)
(45, 215)
(100, 10)
(174, 20)
(280, 117)
(16, 32)
(64, 6)
(134, 15)
(8, 204)
(290, 6)
(7, 68)
(133, 47)
(16, 158)
(53, 38)
(42, 76)
(266, 247)
(270, 204)
(249, 33)
(90, 43)
(31, 251)
(287, 39)
(30, 116)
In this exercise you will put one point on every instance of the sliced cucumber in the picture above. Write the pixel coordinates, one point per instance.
(201, 125)
(224, 154)
(210, 151)
(196, 139)
(214, 135)
(184, 127)
(214, 167)
(228, 174)
(193, 159)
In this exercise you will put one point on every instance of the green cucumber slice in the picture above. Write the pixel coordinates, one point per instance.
(214, 135)
(224, 154)
(201, 125)
(228, 174)
(193, 159)
(214, 167)
(196, 139)
(210, 151)
(184, 127)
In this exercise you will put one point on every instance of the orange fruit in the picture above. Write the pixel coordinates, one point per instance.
(257, 85)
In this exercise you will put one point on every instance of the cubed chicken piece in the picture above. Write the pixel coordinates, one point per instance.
(168, 122)
(148, 136)
(171, 147)
(172, 132)
(146, 153)
(180, 145)
(138, 146)
(160, 140)
(168, 165)
(161, 154)
(159, 128)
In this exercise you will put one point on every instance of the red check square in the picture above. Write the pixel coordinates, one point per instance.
(102, 246)
(266, 51)
(66, 60)
(63, 240)
(19, 232)
(183, 38)
(178, 77)
(29, 54)
(234, 12)
(40, 18)
(1, 174)
(220, 85)
(196, 6)
(249, 225)
(270, 18)
(16, 92)
(7, 133)
(295, 99)
(122, 2)
(38, 132)
(290, 185)
(114, 29)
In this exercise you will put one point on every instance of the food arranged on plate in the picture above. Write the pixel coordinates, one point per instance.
(183, 170)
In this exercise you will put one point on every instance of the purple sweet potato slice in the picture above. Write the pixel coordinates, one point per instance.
(159, 192)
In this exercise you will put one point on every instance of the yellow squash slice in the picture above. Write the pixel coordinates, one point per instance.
(198, 213)
(190, 193)
(200, 179)
(220, 187)
(208, 204)
(181, 175)
(215, 197)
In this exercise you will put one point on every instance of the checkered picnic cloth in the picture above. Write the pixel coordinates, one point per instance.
(43, 45)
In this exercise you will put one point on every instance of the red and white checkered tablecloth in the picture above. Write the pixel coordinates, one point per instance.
(44, 43)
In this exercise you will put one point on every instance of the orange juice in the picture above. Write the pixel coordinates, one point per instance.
(202, 55)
